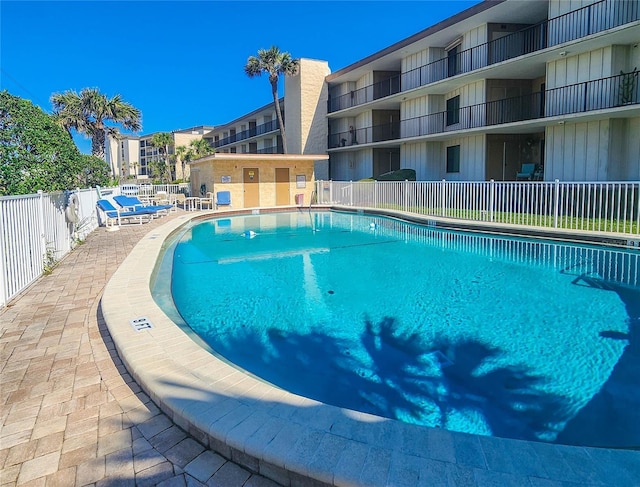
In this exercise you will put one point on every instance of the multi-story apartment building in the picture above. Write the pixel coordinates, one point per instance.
(132, 156)
(499, 85)
(254, 133)
(122, 156)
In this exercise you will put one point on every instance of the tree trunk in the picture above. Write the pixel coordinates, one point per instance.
(98, 142)
(276, 102)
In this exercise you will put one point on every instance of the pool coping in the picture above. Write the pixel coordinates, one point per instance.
(298, 441)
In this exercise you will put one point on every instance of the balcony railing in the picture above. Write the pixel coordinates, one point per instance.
(381, 89)
(573, 25)
(269, 150)
(365, 135)
(604, 93)
(615, 91)
(597, 17)
(246, 134)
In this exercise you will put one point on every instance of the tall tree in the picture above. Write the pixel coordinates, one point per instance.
(89, 112)
(184, 156)
(162, 140)
(274, 63)
(201, 148)
(35, 152)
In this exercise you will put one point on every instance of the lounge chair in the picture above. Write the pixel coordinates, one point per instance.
(112, 215)
(526, 172)
(223, 198)
(132, 203)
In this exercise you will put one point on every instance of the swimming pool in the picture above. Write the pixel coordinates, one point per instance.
(469, 332)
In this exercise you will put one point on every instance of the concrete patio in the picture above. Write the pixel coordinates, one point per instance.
(71, 414)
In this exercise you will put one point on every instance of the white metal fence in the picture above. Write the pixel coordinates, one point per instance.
(35, 232)
(588, 206)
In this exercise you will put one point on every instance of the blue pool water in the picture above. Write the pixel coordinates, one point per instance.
(469, 332)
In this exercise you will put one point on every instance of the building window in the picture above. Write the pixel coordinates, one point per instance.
(453, 159)
(453, 110)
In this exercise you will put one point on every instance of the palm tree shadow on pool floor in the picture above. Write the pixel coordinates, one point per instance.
(399, 376)
(611, 417)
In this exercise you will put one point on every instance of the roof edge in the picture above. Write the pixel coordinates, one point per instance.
(443, 24)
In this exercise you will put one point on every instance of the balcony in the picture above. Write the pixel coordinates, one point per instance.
(365, 135)
(585, 21)
(597, 17)
(247, 134)
(606, 93)
(375, 91)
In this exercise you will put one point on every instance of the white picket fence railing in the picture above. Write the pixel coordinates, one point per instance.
(35, 233)
(612, 207)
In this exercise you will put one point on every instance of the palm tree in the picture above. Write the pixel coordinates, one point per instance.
(273, 62)
(201, 148)
(88, 112)
(185, 155)
(163, 140)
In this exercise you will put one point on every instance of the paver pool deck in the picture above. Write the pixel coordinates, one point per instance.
(86, 399)
(70, 412)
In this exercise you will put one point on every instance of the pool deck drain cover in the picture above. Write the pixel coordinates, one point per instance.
(141, 323)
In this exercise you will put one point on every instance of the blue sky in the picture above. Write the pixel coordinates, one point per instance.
(181, 63)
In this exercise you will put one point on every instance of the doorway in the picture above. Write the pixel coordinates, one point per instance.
(283, 191)
(251, 178)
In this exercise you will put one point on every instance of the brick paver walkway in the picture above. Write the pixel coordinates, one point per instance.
(70, 412)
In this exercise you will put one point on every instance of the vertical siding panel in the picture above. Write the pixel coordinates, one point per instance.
(558, 153)
(580, 153)
(603, 152)
(607, 61)
(572, 70)
(596, 64)
(592, 156)
(551, 75)
(583, 66)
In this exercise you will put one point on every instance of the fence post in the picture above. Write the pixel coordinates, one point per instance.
(442, 198)
(330, 191)
(492, 198)
(375, 194)
(556, 203)
(350, 192)
(406, 195)
(4, 296)
(43, 240)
